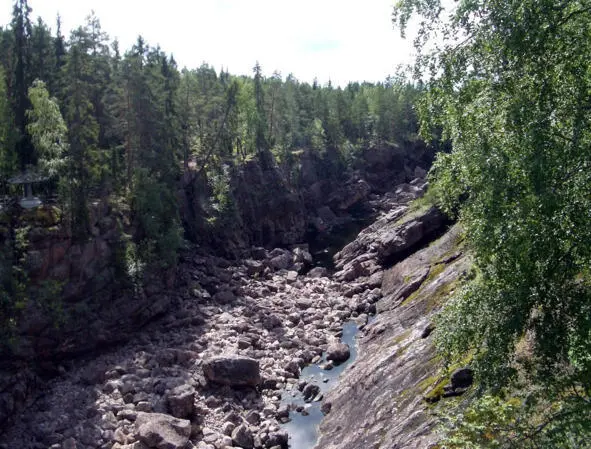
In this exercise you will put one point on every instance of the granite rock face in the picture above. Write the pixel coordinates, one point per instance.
(81, 305)
(380, 402)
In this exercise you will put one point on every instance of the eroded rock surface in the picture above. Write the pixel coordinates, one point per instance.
(380, 401)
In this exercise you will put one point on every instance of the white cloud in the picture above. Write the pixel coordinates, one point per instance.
(341, 40)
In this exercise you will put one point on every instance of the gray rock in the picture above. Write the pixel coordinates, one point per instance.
(234, 371)
(228, 428)
(310, 391)
(338, 353)
(277, 439)
(160, 431)
(318, 272)
(253, 267)
(181, 401)
(258, 253)
(242, 436)
(302, 256)
(224, 297)
(281, 262)
(253, 418)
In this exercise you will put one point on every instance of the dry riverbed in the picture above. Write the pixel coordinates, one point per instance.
(213, 373)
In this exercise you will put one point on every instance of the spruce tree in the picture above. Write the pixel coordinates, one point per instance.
(22, 30)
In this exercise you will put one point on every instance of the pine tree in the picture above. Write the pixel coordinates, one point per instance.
(83, 132)
(22, 30)
(261, 124)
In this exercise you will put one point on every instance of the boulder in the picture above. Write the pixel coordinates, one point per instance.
(253, 267)
(242, 437)
(181, 401)
(338, 353)
(310, 391)
(300, 255)
(318, 272)
(160, 431)
(281, 262)
(234, 371)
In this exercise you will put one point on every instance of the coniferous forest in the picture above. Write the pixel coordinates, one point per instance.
(103, 121)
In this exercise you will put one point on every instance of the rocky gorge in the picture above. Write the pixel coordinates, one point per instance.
(213, 371)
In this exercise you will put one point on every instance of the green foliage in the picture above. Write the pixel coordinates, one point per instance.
(156, 214)
(527, 422)
(47, 129)
(510, 88)
(222, 200)
(8, 159)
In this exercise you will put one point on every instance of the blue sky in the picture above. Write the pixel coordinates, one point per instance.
(340, 40)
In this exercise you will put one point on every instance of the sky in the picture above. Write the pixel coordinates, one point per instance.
(337, 40)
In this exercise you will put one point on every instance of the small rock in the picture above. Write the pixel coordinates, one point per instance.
(326, 407)
(327, 366)
(224, 297)
(70, 443)
(338, 353)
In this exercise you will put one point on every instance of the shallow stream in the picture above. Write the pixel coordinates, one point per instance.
(303, 429)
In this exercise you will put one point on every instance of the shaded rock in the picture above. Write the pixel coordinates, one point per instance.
(242, 436)
(326, 407)
(462, 378)
(181, 401)
(281, 262)
(310, 391)
(253, 267)
(338, 353)
(253, 417)
(224, 297)
(277, 439)
(160, 431)
(234, 371)
(393, 243)
(428, 330)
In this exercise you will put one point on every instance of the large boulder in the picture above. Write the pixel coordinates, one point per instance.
(232, 370)
(160, 431)
(396, 241)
